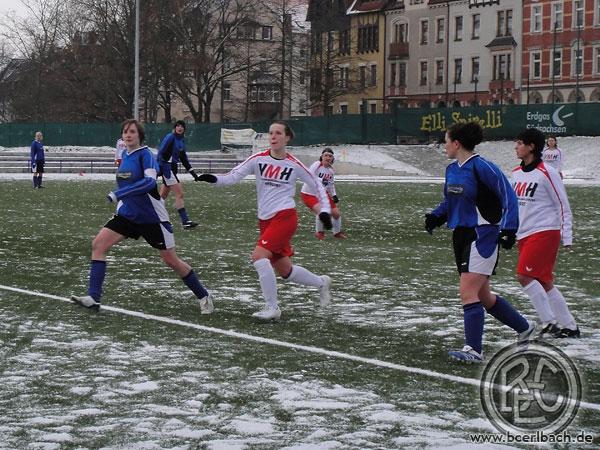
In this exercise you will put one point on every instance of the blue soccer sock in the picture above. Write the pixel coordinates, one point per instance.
(39, 180)
(183, 215)
(35, 181)
(191, 280)
(97, 274)
(508, 315)
(474, 317)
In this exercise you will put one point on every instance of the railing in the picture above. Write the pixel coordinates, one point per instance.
(398, 50)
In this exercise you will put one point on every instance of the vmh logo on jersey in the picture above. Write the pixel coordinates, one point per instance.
(275, 172)
(523, 189)
(326, 177)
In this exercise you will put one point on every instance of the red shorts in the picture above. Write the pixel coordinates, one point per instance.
(311, 200)
(537, 255)
(276, 233)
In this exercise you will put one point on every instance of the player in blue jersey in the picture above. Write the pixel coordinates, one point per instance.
(170, 152)
(140, 212)
(38, 160)
(481, 207)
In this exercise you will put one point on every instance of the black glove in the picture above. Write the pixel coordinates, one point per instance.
(432, 222)
(326, 219)
(194, 174)
(335, 199)
(208, 177)
(507, 238)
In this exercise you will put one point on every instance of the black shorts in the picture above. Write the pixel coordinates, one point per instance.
(158, 235)
(39, 165)
(476, 249)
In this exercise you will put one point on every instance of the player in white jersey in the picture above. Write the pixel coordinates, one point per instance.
(553, 156)
(119, 149)
(276, 172)
(544, 215)
(323, 170)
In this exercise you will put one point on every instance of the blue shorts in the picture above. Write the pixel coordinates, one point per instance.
(476, 249)
(169, 174)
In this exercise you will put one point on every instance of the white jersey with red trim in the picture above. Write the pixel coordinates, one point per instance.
(119, 149)
(543, 202)
(275, 182)
(325, 174)
(553, 157)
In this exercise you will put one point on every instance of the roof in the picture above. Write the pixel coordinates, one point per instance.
(362, 6)
(502, 41)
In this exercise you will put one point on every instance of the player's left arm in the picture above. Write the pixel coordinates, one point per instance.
(495, 180)
(559, 195)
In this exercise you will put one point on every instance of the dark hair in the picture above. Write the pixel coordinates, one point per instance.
(533, 136)
(140, 129)
(469, 134)
(288, 130)
(179, 122)
(326, 150)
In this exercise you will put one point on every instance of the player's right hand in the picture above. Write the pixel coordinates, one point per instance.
(208, 177)
(432, 222)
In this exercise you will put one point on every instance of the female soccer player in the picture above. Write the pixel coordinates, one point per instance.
(140, 212)
(553, 156)
(323, 170)
(276, 173)
(544, 213)
(481, 208)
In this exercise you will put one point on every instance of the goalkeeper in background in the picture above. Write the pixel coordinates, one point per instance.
(37, 160)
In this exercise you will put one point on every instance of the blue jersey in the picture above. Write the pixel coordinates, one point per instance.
(37, 151)
(476, 193)
(137, 193)
(172, 150)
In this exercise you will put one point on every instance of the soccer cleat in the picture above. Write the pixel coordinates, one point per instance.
(527, 334)
(86, 301)
(189, 225)
(324, 291)
(320, 235)
(568, 333)
(549, 329)
(467, 355)
(206, 304)
(268, 313)
(340, 235)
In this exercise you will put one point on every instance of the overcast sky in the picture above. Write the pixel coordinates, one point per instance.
(7, 5)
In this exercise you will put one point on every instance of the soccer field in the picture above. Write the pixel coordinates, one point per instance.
(72, 378)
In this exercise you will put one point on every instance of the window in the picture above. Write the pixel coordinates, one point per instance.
(439, 72)
(597, 60)
(476, 26)
(504, 23)
(373, 75)
(227, 92)
(401, 32)
(264, 93)
(402, 74)
(423, 73)
(267, 33)
(373, 107)
(458, 71)
(329, 77)
(597, 12)
(578, 13)
(501, 67)
(557, 15)
(556, 63)
(362, 73)
(368, 38)
(393, 74)
(343, 77)
(458, 28)
(577, 57)
(344, 42)
(536, 65)
(536, 19)
(302, 77)
(330, 38)
(439, 29)
(344, 109)
(317, 43)
(330, 110)
(475, 69)
(246, 32)
(424, 32)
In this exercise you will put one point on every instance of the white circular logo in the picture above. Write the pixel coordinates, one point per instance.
(526, 388)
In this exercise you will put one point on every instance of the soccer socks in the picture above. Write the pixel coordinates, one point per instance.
(560, 309)
(191, 281)
(474, 317)
(183, 215)
(267, 280)
(337, 225)
(39, 182)
(318, 224)
(302, 276)
(97, 274)
(539, 299)
(508, 315)
(35, 181)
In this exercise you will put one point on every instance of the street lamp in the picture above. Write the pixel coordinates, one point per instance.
(475, 80)
(136, 74)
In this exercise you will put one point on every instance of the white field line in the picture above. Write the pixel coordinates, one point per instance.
(275, 342)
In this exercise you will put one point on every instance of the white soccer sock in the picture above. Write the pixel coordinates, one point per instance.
(301, 275)
(318, 224)
(536, 293)
(560, 309)
(337, 224)
(267, 280)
